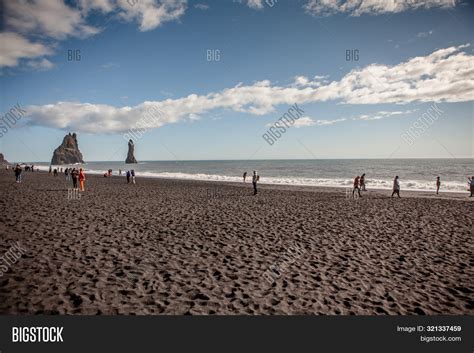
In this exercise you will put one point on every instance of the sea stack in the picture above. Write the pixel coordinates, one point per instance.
(3, 161)
(130, 155)
(68, 152)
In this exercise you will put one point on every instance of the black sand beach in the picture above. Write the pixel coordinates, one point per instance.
(182, 247)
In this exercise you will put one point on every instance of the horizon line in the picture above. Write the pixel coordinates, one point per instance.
(260, 159)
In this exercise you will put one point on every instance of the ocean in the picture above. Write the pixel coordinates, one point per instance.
(414, 174)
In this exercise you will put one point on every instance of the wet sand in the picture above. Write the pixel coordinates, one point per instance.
(191, 247)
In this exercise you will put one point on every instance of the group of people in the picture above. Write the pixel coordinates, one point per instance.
(255, 180)
(18, 170)
(130, 175)
(55, 171)
(108, 173)
(76, 175)
(359, 185)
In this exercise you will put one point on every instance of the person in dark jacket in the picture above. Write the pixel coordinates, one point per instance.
(18, 171)
(74, 177)
(255, 179)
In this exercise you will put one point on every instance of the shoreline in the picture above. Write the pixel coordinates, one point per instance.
(305, 187)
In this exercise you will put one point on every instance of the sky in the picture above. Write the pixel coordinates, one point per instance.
(206, 80)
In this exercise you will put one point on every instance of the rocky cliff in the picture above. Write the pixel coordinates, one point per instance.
(3, 161)
(130, 155)
(68, 152)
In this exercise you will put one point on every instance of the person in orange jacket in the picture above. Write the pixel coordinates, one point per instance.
(82, 179)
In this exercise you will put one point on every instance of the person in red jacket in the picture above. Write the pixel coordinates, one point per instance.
(82, 179)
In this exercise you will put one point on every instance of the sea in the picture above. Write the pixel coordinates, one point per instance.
(414, 174)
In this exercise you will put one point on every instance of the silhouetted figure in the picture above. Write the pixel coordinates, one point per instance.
(396, 186)
(471, 184)
(74, 177)
(255, 179)
(438, 184)
(356, 186)
(17, 172)
(362, 182)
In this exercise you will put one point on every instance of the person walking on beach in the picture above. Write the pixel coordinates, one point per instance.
(132, 173)
(128, 177)
(82, 179)
(471, 184)
(255, 179)
(362, 182)
(66, 173)
(50, 169)
(74, 176)
(245, 176)
(396, 186)
(356, 186)
(17, 173)
(120, 172)
(438, 184)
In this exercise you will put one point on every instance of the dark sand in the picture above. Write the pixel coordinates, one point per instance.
(182, 247)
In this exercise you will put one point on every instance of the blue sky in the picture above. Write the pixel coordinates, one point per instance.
(154, 54)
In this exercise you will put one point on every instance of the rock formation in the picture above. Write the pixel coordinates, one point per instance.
(68, 152)
(3, 161)
(130, 155)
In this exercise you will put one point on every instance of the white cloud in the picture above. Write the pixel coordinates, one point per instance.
(50, 18)
(424, 34)
(382, 115)
(57, 20)
(43, 64)
(152, 13)
(100, 5)
(303, 81)
(194, 117)
(442, 76)
(202, 6)
(255, 4)
(374, 7)
(110, 65)
(14, 47)
(307, 121)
